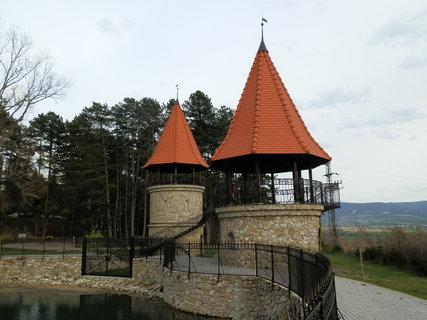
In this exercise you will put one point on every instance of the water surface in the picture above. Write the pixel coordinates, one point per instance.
(18, 303)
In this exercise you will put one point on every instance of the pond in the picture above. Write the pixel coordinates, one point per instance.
(20, 303)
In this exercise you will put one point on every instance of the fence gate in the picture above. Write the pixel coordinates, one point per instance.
(107, 257)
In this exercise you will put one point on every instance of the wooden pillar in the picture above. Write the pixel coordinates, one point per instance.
(273, 190)
(258, 183)
(296, 183)
(310, 178)
(228, 186)
(301, 187)
(176, 174)
(244, 189)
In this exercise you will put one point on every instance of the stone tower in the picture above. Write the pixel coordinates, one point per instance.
(267, 137)
(175, 191)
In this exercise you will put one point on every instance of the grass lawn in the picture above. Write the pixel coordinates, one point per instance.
(383, 276)
(18, 252)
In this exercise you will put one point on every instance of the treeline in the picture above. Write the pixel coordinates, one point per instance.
(86, 174)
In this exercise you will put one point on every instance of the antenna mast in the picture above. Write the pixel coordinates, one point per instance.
(332, 223)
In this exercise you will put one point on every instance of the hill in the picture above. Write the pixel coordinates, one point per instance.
(380, 214)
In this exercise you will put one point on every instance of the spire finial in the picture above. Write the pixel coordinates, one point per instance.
(262, 46)
(262, 27)
(177, 91)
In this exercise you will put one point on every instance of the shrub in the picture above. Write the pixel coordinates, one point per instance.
(94, 234)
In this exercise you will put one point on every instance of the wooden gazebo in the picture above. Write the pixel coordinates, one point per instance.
(267, 134)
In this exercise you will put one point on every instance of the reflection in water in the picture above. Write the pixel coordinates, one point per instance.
(26, 304)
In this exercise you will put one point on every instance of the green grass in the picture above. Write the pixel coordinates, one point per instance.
(209, 253)
(380, 275)
(18, 252)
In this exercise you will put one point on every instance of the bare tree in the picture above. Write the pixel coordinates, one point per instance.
(26, 78)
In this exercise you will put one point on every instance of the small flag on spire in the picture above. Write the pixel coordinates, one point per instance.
(262, 27)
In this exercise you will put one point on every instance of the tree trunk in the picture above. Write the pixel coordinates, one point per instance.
(126, 200)
(134, 194)
(46, 204)
(107, 190)
(117, 205)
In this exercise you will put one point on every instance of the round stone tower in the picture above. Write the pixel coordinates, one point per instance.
(267, 137)
(176, 191)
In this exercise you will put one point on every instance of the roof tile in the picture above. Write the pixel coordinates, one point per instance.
(176, 144)
(266, 120)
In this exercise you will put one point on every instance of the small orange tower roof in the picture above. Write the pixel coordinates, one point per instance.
(267, 127)
(176, 147)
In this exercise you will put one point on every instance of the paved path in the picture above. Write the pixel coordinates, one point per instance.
(358, 300)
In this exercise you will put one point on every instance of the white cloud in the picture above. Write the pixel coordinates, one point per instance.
(407, 29)
(413, 62)
(108, 26)
(337, 96)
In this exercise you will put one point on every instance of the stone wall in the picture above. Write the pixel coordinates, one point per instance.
(225, 296)
(194, 236)
(67, 271)
(295, 225)
(229, 296)
(170, 204)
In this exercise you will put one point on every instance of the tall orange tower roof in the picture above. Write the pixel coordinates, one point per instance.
(176, 147)
(266, 127)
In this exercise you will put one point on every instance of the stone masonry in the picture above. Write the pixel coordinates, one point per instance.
(295, 225)
(174, 203)
(232, 297)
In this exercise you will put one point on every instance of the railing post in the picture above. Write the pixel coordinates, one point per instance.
(321, 194)
(301, 254)
(289, 273)
(219, 261)
(84, 251)
(23, 248)
(317, 273)
(189, 258)
(256, 260)
(272, 266)
(44, 247)
(107, 256)
(131, 254)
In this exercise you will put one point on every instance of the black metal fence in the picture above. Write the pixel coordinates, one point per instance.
(108, 257)
(26, 247)
(308, 275)
(175, 178)
(278, 191)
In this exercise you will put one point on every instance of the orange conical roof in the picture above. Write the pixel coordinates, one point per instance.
(267, 127)
(176, 146)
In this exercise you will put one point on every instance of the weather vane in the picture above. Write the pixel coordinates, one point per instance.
(177, 91)
(262, 27)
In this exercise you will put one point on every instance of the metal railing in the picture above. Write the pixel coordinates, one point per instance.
(308, 275)
(172, 178)
(108, 257)
(26, 247)
(278, 191)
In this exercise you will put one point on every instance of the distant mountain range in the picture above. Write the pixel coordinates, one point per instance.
(380, 214)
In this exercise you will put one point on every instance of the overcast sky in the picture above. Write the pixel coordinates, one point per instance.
(357, 70)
